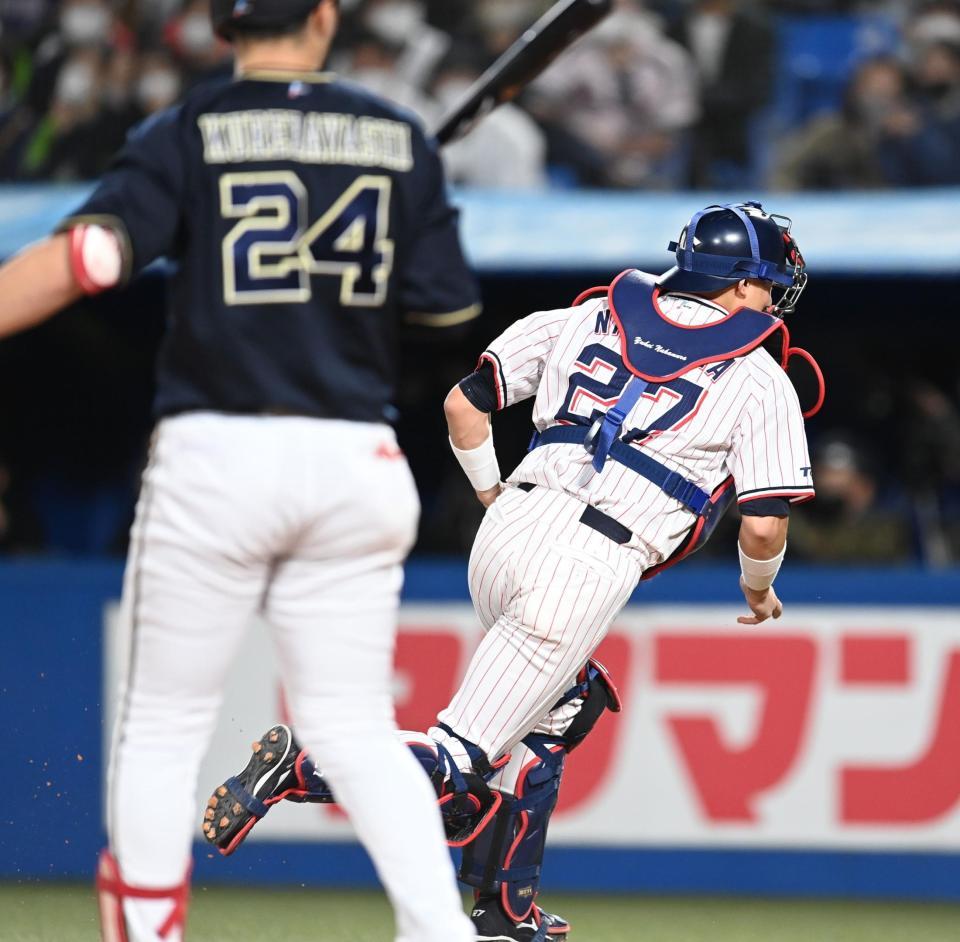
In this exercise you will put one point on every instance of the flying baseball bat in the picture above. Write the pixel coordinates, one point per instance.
(557, 29)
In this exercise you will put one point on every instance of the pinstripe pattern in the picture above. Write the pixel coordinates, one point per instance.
(547, 589)
(545, 586)
(748, 424)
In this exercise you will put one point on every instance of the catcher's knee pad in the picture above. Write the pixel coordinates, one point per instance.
(113, 893)
(596, 689)
(467, 803)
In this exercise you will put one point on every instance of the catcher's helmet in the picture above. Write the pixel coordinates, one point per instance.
(722, 245)
(258, 14)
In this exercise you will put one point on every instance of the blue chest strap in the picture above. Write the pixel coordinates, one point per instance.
(608, 432)
(670, 482)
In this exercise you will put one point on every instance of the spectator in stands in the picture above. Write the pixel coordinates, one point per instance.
(372, 63)
(733, 48)
(506, 149)
(937, 81)
(937, 21)
(930, 464)
(851, 522)
(502, 21)
(158, 83)
(149, 17)
(119, 109)
(617, 108)
(917, 143)
(841, 150)
(15, 123)
(402, 25)
(201, 54)
(65, 144)
(81, 25)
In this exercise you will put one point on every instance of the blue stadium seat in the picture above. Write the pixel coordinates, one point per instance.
(817, 56)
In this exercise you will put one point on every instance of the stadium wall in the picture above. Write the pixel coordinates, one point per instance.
(814, 756)
(852, 233)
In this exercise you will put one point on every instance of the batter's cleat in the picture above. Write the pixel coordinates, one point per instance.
(493, 924)
(274, 772)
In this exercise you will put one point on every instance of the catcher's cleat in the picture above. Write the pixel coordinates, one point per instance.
(274, 772)
(492, 924)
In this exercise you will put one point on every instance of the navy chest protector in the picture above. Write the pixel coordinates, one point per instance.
(656, 350)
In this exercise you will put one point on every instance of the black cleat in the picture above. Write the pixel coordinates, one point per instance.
(272, 774)
(492, 924)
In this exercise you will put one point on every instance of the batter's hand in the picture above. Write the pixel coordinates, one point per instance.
(488, 496)
(764, 604)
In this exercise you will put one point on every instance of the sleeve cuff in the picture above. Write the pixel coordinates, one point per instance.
(500, 382)
(446, 319)
(794, 493)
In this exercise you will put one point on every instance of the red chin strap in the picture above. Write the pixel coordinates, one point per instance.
(112, 891)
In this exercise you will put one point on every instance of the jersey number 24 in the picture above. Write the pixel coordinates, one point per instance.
(271, 254)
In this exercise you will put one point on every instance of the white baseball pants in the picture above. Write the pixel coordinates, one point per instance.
(308, 522)
(546, 588)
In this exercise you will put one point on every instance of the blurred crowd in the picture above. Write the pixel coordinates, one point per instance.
(797, 94)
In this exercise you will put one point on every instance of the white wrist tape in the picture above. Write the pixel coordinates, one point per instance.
(96, 258)
(758, 574)
(479, 464)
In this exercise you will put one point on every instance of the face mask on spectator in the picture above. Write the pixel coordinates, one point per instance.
(196, 34)
(396, 21)
(75, 84)
(873, 111)
(158, 89)
(85, 23)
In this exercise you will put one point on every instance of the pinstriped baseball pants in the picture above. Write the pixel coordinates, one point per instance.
(546, 588)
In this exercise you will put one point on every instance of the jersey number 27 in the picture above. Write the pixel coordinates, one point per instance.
(271, 254)
(599, 381)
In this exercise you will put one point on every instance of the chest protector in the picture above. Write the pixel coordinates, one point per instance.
(656, 349)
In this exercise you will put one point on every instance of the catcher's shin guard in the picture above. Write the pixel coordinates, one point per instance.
(113, 893)
(506, 857)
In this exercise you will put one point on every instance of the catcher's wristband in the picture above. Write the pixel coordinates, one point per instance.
(758, 574)
(479, 464)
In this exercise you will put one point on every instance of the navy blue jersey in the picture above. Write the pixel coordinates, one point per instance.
(307, 219)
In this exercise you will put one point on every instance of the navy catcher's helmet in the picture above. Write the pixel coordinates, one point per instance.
(722, 245)
(255, 15)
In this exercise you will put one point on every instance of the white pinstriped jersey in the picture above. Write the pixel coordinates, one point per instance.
(738, 417)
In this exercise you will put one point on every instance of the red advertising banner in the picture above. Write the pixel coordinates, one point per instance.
(835, 727)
